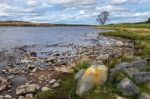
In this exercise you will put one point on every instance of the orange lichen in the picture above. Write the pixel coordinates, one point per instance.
(97, 73)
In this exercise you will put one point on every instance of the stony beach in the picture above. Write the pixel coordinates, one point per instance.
(24, 73)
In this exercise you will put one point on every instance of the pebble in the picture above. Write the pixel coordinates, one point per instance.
(55, 85)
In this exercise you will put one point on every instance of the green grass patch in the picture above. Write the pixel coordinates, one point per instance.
(67, 90)
(139, 33)
(144, 88)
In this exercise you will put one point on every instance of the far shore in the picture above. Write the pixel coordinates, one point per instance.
(32, 24)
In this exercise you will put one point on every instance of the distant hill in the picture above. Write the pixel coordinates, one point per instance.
(23, 23)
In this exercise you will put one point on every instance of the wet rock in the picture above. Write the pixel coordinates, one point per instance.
(33, 54)
(144, 96)
(21, 97)
(79, 74)
(28, 88)
(94, 75)
(2, 56)
(62, 62)
(29, 96)
(128, 88)
(45, 88)
(34, 70)
(142, 77)
(31, 66)
(51, 59)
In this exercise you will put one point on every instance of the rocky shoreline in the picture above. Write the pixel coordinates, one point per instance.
(23, 73)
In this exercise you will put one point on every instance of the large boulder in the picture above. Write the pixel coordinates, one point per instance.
(139, 64)
(94, 75)
(142, 77)
(127, 87)
(79, 74)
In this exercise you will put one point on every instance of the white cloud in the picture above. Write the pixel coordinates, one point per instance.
(118, 2)
(73, 2)
(33, 2)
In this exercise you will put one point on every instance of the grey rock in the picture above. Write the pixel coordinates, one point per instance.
(79, 74)
(21, 97)
(142, 77)
(3, 84)
(88, 84)
(33, 54)
(119, 68)
(45, 88)
(52, 81)
(128, 88)
(28, 88)
(119, 43)
(2, 56)
(144, 96)
(56, 84)
(31, 66)
(29, 96)
(94, 75)
(139, 64)
(7, 97)
(103, 57)
(131, 71)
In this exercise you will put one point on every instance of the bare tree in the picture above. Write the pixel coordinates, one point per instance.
(103, 17)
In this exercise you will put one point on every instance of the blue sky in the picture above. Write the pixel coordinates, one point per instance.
(74, 11)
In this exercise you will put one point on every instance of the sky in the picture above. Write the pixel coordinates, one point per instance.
(74, 11)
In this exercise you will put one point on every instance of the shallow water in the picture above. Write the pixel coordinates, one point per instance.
(46, 39)
(17, 36)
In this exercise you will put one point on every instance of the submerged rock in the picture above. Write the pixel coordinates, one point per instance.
(127, 87)
(94, 75)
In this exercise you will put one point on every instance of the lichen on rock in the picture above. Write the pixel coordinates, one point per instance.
(94, 75)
